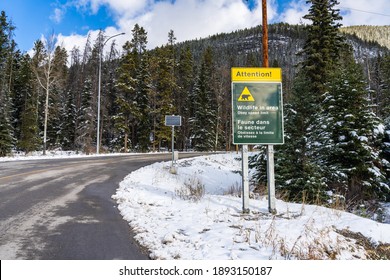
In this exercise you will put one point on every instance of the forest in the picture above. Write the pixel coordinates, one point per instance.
(336, 91)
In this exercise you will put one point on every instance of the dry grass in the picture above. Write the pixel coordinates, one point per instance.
(192, 190)
(311, 244)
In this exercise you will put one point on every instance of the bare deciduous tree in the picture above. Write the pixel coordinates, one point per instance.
(43, 68)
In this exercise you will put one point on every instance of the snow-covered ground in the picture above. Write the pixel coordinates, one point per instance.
(173, 223)
(174, 219)
(56, 155)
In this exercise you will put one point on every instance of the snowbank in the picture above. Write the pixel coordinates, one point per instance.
(196, 214)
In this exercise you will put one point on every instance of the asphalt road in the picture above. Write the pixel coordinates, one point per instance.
(61, 209)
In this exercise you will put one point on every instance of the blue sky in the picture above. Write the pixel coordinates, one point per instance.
(71, 20)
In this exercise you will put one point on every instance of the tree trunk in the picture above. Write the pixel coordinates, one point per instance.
(126, 136)
(46, 116)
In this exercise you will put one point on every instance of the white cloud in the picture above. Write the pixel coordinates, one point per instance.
(68, 42)
(76, 40)
(294, 12)
(354, 12)
(191, 19)
(122, 8)
(188, 18)
(363, 12)
(58, 15)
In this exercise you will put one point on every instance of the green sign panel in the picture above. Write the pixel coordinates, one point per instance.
(257, 113)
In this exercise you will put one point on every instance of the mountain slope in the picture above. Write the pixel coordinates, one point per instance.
(379, 34)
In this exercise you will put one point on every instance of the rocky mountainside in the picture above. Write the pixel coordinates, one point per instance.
(244, 48)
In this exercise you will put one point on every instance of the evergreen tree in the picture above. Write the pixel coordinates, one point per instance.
(143, 107)
(203, 122)
(58, 99)
(161, 95)
(385, 153)
(86, 120)
(6, 139)
(17, 86)
(350, 138)
(383, 100)
(323, 44)
(166, 88)
(69, 122)
(297, 176)
(298, 171)
(109, 94)
(72, 100)
(83, 77)
(24, 84)
(124, 118)
(185, 84)
(132, 100)
(7, 46)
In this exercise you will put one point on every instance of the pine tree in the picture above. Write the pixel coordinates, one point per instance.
(164, 91)
(86, 120)
(385, 150)
(7, 46)
(185, 78)
(6, 139)
(69, 122)
(297, 176)
(384, 110)
(58, 99)
(16, 91)
(132, 101)
(143, 107)
(29, 138)
(351, 137)
(161, 95)
(383, 99)
(72, 100)
(298, 171)
(323, 44)
(109, 94)
(24, 84)
(203, 122)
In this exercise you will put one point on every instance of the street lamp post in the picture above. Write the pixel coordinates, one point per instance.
(99, 86)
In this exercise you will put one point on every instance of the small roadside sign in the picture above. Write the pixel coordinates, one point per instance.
(172, 120)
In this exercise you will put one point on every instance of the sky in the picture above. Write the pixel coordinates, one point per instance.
(73, 20)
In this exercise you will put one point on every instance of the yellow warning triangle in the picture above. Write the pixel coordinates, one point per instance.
(246, 95)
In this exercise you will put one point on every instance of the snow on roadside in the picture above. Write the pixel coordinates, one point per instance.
(56, 155)
(173, 225)
(39, 156)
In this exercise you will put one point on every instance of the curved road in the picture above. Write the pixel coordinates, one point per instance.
(62, 208)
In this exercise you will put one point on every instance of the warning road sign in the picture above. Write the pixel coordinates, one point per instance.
(246, 96)
(257, 106)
